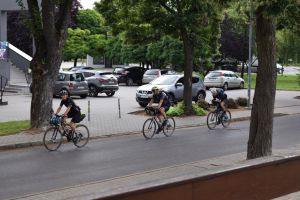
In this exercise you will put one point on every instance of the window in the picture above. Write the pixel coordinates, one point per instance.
(88, 74)
(61, 77)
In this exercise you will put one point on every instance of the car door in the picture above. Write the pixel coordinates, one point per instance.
(59, 83)
(195, 86)
(179, 89)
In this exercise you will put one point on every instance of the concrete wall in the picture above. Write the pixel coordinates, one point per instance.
(4, 68)
(263, 181)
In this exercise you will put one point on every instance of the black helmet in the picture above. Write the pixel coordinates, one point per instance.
(63, 93)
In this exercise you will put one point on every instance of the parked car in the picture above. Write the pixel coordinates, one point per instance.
(77, 68)
(229, 67)
(173, 86)
(224, 79)
(152, 74)
(101, 82)
(279, 68)
(129, 75)
(72, 82)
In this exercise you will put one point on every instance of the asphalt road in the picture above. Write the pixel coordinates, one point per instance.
(32, 170)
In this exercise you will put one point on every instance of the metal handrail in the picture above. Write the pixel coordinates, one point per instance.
(2, 86)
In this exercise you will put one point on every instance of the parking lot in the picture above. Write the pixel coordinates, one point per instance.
(18, 107)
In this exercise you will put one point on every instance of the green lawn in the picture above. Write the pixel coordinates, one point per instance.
(284, 82)
(12, 127)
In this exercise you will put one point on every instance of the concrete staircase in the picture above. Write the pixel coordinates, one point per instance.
(18, 82)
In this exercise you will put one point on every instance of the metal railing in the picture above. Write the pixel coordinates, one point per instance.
(3, 83)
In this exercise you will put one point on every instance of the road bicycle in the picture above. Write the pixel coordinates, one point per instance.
(154, 126)
(217, 116)
(53, 136)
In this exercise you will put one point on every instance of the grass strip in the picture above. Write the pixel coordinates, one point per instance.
(13, 127)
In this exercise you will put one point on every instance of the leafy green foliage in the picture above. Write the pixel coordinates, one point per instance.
(241, 101)
(231, 103)
(90, 20)
(76, 44)
(178, 110)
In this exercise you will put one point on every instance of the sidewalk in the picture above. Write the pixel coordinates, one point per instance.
(107, 126)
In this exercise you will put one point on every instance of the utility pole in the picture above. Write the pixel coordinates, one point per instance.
(250, 55)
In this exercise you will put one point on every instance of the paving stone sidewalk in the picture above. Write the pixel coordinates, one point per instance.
(112, 125)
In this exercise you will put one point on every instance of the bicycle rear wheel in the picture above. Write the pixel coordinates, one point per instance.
(170, 127)
(212, 120)
(149, 128)
(226, 118)
(81, 136)
(52, 138)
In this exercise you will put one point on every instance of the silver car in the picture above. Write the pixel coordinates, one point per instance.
(74, 83)
(101, 82)
(152, 74)
(224, 79)
(173, 86)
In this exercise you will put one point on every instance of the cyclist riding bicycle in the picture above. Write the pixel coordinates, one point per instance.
(220, 96)
(164, 104)
(72, 111)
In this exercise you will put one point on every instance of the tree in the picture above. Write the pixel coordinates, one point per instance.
(194, 22)
(76, 44)
(49, 28)
(261, 125)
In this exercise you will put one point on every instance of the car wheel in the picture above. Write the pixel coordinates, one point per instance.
(200, 96)
(242, 85)
(93, 92)
(172, 99)
(129, 81)
(83, 96)
(143, 104)
(225, 87)
(110, 94)
(65, 91)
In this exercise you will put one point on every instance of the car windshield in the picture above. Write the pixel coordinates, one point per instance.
(164, 80)
(214, 74)
(119, 70)
(151, 72)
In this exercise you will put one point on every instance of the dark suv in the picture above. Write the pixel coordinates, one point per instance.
(129, 75)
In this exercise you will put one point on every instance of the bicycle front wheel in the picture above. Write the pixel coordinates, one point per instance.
(149, 128)
(52, 138)
(226, 118)
(212, 120)
(81, 136)
(170, 127)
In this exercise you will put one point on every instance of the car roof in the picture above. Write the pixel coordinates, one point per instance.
(223, 71)
(68, 72)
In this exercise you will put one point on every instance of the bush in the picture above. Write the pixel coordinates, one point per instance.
(176, 110)
(231, 103)
(241, 101)
(198, 110)
(203, 104)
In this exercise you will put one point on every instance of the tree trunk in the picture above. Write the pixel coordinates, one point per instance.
(75, 61)
(188, 71)
(50, 31)
(243, 68)
(261, 125)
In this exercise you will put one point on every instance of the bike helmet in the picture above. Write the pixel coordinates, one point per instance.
(155, 88)
(55, 120)
(213, 91)
(63, 92)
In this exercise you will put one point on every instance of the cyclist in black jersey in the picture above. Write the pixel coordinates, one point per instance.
(161, 98)
(73, 111)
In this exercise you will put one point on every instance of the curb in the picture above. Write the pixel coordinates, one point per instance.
(40, 143)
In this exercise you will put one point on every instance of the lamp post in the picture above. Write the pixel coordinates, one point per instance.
(250, 56)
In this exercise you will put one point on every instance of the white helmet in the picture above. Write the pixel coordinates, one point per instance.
(213, 91)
